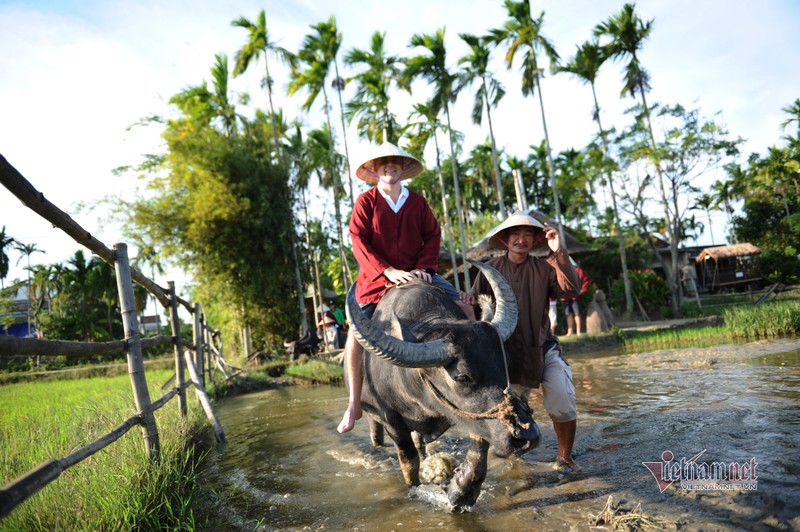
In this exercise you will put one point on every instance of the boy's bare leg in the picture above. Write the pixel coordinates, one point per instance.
(570, 324)
(354, 358)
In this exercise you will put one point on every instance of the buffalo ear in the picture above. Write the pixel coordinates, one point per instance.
(486, 304)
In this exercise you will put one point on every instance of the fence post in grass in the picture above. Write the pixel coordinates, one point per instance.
(197, 331)
(177, 347)
(130, 324)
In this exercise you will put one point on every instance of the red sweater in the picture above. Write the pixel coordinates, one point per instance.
(405, 240)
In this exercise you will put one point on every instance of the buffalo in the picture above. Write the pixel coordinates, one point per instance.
(427, 368)
(308, 343)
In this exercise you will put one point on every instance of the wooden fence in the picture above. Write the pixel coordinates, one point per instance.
(207, 347)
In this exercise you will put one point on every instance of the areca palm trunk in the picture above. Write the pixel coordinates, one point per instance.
(498, 182)
(347, 281)
(622, 254)
(467, 283)
(550, 166)
(448, 229)
(268, 81)
(344, 132)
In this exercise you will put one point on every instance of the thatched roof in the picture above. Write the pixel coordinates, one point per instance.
(725, 252)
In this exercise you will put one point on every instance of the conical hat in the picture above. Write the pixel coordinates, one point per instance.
(517, 219)
(366, 171)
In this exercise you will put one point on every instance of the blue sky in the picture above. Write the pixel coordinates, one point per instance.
(75, 75)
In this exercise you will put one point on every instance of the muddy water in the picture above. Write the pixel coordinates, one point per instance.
(286, 467)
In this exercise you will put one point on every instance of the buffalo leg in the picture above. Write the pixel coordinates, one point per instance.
(375, 432)
(419, 443)
(407, 453)
(469, 476)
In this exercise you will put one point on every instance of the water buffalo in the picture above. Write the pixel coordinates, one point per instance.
(308, 344)
(427, 368)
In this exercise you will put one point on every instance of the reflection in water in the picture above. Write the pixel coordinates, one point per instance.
(287, 468)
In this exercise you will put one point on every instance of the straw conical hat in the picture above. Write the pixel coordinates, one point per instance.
(366, 171)
(517, 219)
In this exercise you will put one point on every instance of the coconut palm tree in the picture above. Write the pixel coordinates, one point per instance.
(5, 242)
(585, 65)
(628, 33)
(793, 111)
(708, 202)
(475, 67)
(259, 43)
(432, 67)
(421, 131)
(524, 33)
(311, 74)
(370, 104)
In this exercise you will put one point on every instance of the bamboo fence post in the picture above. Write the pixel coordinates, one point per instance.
(177, 347)
(209, 341)
(203, 397)
(197, 332)
(130, 324)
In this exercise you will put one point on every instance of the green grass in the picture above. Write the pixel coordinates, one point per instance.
(774, 319)
(768, 320)
(115, 488)
(315, 371)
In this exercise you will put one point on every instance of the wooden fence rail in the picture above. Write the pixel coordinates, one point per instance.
(17, 491)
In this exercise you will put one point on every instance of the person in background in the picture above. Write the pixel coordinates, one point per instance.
(337, 313)
(572, 307)
(553, 314)
(534, 353)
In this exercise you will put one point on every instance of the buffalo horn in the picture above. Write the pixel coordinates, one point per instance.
(505, 313)
(398, 352)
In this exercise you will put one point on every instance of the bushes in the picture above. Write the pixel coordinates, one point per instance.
(649, 288)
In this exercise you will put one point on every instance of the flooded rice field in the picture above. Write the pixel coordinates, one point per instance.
(656, 430)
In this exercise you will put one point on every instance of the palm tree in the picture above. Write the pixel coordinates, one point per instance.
(371, 101)
(585, 65)
(708, 202)
(522, 32)
(432, 67)
(490, 92)
(27, 250)
(203, 106)
(315, 58)
(259, 42)
(332, 41)
(628, 33)
(793, 111)
(421, 133)
(5, 242)
(148, 256)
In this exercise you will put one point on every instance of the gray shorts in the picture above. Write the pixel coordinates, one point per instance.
(558, 392)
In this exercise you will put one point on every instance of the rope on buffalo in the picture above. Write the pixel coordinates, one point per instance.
(503, 411)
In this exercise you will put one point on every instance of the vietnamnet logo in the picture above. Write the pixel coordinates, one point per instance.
(692, 474)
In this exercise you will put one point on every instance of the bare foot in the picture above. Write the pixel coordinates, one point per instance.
(566, 463)
(349, 418)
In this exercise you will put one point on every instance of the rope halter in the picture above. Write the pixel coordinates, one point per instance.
(503, 411)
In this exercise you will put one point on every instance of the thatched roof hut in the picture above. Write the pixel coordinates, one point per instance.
(725, 252)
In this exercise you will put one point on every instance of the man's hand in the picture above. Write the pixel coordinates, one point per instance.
(553, 239)
(467, 298)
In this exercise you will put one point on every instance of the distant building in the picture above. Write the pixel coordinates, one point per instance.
(17, 310)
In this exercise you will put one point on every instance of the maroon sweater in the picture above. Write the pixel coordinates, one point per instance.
(405, 240)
